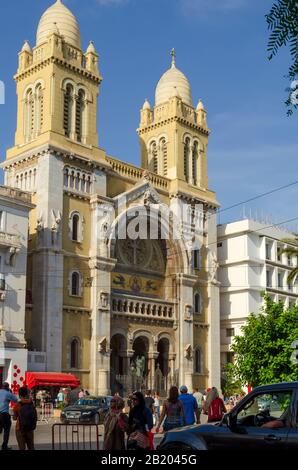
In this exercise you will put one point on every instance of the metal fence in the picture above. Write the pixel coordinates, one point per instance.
(46, 412)
(75, 437)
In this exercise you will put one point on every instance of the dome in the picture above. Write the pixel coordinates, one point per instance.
(173, 83)
(59, 17)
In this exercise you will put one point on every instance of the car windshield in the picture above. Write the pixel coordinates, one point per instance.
(88, 402)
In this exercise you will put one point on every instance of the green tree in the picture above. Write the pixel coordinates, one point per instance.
(263, 354)
(282, 21)
(292, 251)
(230, 385)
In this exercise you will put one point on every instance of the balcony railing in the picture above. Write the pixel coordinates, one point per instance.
(138, 306)
(9, 239)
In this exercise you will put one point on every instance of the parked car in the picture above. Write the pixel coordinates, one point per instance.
(86, 410)
(241, 428)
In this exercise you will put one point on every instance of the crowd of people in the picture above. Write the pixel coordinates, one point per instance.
(133, 430)
(127, 425)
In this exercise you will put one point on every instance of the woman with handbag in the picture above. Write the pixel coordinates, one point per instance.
(115, 426)
(140, 423)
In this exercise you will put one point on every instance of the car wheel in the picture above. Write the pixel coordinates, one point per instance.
(96, 419)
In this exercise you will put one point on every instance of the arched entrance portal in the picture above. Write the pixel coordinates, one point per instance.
(162, 368)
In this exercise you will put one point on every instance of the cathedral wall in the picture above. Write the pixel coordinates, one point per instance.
(77, 325)
(70, 205)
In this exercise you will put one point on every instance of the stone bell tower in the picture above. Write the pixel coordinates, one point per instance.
(173, 134)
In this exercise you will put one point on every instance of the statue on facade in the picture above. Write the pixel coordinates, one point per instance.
(214, 265)
(140, 366)
(56, 222)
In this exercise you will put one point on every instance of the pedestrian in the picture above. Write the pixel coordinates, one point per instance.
(115, 425)
(60, 397)
(5, 420)
(172, 412)
(190, 406)
(206, 402)
(199, 397)
(140, 423)
(216, 408)
(87, 393)
(26, 418)
(81, 393)
(157, 405)
(149, 400)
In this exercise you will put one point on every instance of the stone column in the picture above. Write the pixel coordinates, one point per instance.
(214, 307)
(47, 261)
(101, 325)
(184, 334)
(101, 266)
(151, 366)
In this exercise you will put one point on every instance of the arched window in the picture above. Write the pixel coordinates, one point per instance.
(68, 104)
(198, 361)
(66, 177)
(29, 116)
(195, 156)
(38, 109)
(75, 283)
(80, 106)
(75, 228)
(153, 158)
(74, 353)
(186, 158)
(164, 156)
(197, 303)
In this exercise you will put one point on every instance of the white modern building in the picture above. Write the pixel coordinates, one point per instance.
(14, 213)
(250, 262)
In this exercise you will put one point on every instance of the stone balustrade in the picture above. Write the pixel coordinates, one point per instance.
(126, 305)
(136, 173)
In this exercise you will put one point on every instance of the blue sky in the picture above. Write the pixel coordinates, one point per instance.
(221, 47)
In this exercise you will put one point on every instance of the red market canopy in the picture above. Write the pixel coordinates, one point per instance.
(50, 379)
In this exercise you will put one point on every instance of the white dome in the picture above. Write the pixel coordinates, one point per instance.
(173, 83)
(58, 16)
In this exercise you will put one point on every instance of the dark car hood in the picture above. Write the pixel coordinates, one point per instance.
(81, 408)
(196, 428)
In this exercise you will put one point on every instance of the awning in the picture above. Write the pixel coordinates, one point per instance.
(50, 379)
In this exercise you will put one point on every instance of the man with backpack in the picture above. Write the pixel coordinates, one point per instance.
(26, 418)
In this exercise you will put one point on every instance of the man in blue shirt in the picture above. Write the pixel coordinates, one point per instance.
(190, 406)
(5, 420)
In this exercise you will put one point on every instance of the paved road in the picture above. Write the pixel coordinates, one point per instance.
(43, 436)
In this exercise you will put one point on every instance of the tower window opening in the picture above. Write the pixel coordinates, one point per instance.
(164, 155)
(75, 284)
(29, 116)
(197, 303)
(195, 163)
(154, 158)
(186, 158)
(74, 354)
(75, 227)
(38, 109)
(80, 115)
(68, 101)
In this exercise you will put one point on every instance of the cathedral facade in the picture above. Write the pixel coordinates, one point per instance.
(121, 282)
